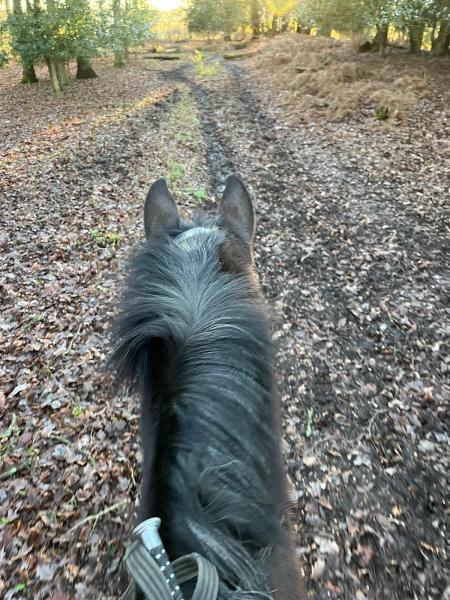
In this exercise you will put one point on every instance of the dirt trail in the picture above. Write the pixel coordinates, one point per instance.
(354, 266)
(352, 256)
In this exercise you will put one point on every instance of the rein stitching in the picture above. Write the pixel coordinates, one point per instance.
(158, 578)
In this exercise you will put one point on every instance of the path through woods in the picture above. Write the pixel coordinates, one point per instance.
(351, 252)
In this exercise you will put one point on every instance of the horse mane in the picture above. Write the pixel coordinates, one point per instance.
(195, 341)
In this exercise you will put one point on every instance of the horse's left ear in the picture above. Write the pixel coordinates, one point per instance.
(160, 211)
(237, 210)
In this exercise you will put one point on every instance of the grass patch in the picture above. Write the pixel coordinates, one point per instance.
(205, 68)
(34, 320)
(198, 193)
(382, 113)
(77, 409)
(104, 239)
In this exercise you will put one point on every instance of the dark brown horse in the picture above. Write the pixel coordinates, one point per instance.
(194, 336)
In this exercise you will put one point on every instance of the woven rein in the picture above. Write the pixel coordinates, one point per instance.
(157, 578)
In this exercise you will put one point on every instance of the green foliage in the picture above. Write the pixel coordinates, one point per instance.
(407, 12)
(382, 113)
(198, 193)
(103, 239)
(205, 69)
(355, 16)
(123, 26)
(210, 16)
(342, 15)
(61, 30)
(176, 173)
(77, 409)
(4, 42)
(202, 16)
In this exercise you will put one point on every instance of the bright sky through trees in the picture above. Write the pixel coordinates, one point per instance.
(166, 4)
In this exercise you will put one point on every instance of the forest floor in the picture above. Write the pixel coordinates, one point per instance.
(352, 256)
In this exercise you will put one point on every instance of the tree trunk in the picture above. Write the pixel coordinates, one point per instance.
(381, 38)
(118, 54)
(226, 36)
(53, 76)
(29, 74)
(84, 69)
(62, 73)
(255, 20)
(432, 36)
(416, 37)
(302, 29)
(118, 59)
(324, 31)
(442, 42)
(273, 28)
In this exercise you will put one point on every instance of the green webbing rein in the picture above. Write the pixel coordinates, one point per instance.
(158, 578)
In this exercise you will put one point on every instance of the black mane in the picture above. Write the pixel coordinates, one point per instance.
(195, 340)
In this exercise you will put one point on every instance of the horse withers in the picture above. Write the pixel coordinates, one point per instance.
(194, 336)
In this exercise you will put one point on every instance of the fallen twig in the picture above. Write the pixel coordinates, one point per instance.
(14, 470)
(69, 348)
(373, 417)
(97, 516)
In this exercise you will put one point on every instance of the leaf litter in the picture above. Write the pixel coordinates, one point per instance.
(351, 253)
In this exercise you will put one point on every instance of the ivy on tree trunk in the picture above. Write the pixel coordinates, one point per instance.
(273, 28)
(255, 19)
(84, 69)
(119, 55)
(28, 74)
(52, 69)
(442, 43)
(381, 38)
(416, 31)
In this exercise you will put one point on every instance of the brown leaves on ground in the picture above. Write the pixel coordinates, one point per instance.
(351, 232)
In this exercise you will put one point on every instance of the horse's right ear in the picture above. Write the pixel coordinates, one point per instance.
(160, 211)
(238, 219)
(238, 213)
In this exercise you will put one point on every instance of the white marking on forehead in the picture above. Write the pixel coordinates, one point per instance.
(188, 237)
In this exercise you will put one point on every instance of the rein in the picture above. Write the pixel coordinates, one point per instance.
(157, 578)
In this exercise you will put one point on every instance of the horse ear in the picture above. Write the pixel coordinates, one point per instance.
(238, 213)
(238, 217)
(160, 211)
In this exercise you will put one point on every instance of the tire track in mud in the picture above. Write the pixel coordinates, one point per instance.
(336, 258)
(217, 153)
